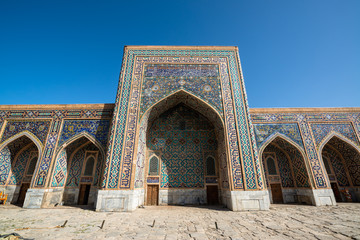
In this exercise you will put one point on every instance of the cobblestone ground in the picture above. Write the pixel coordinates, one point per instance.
(176, 222)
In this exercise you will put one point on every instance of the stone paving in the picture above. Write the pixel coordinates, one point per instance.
(178, 222)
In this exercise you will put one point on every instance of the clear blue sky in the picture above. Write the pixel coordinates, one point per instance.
(294, 53)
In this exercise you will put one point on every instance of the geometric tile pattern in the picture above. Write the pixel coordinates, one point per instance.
(297, 163)
(76, 164)
(99, 129)
(161, 80)
(5, 164)
(183, 137)
(140, 161)
(18, 169)
(291, 164)
(338, 166)
(263, 131)
(126, 113)
(351, 163)
(7, 156)
(321, 130)
(39, 128)
(98, 170)
(75, 167)
(60, 170)
(287, 179)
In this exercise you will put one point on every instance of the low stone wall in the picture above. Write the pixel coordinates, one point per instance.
(321, 197)
(247, 200)
(182, 196)
(119, 200)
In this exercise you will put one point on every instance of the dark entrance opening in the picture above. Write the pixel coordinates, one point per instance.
(336, 191)
(22, 194)
(276, 193)
(84, 194)
(212, 195)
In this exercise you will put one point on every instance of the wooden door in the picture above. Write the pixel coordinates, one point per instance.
(212, 195)
(152, 194)
(84, 194)
(336, 192)
(23, 189)
(276, 193)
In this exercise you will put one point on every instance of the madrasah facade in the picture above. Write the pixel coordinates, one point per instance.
(180, 132)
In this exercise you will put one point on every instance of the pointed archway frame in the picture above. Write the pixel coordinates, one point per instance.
(275, 135)
(184, 96)
(63, 146)
(326, 139)
(35, 140)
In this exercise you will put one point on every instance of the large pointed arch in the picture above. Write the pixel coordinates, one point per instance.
(154, 111)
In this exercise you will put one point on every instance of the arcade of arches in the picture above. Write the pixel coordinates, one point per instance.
(180, 132)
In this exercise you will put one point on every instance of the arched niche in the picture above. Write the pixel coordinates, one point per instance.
(286, 171)
(74, 181)
(168, 194)
(341, 159)
(19, 158)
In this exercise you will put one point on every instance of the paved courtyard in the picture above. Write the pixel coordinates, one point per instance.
(177, 222)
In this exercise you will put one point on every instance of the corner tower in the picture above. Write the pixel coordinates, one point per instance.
(181, 132)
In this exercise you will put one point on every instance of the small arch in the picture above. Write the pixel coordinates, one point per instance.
(153, 166)
(31, 166)
(210, 166)
(270, 162)
(89, 166)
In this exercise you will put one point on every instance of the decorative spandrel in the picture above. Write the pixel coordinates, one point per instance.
(162, 80)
